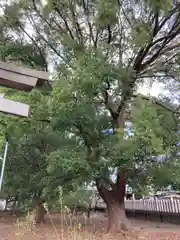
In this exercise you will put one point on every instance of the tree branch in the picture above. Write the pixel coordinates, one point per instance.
(154, 100)
(138, 65)
(47, 42)
(77, 25)
(86, 12)
(156, 23)
(103, 191)
(109, 104)
(85, 135)
(45, 20)
(35, 43)
(109, 34)
(157, 53)
(169, 15)
(165, 39)
(65, 22)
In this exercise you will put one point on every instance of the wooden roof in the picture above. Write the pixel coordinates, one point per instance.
(12, 107)
(24, 79)
(21, 78)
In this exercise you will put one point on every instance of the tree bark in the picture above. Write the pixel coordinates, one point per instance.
(38, 212)
(118, 221)
(114, 200)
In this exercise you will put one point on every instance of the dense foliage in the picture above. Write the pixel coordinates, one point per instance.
(102, 52)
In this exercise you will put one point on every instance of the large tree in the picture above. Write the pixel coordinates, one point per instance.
(102, 51)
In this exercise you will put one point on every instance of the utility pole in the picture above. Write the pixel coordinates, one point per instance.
(3, 163)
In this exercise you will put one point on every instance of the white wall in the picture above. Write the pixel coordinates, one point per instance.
(2, 204)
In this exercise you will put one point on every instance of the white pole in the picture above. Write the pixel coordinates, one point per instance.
(3, 164)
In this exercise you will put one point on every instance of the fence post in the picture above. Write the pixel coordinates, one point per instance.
(172, 205)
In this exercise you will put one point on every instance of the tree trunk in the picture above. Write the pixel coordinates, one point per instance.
(114, 200)
(117, 218)
(14, 205)
(38, 212)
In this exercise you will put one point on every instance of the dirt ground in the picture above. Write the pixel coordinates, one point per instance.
(60, 227)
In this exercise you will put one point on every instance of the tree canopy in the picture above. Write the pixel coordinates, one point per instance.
(101, 52)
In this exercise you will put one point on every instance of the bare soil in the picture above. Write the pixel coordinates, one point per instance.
(59, 227)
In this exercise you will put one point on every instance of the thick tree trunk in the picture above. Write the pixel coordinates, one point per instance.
(39, 213)
(114, 200)
(117, 218)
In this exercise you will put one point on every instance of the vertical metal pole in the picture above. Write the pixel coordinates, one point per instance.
(3, 164)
